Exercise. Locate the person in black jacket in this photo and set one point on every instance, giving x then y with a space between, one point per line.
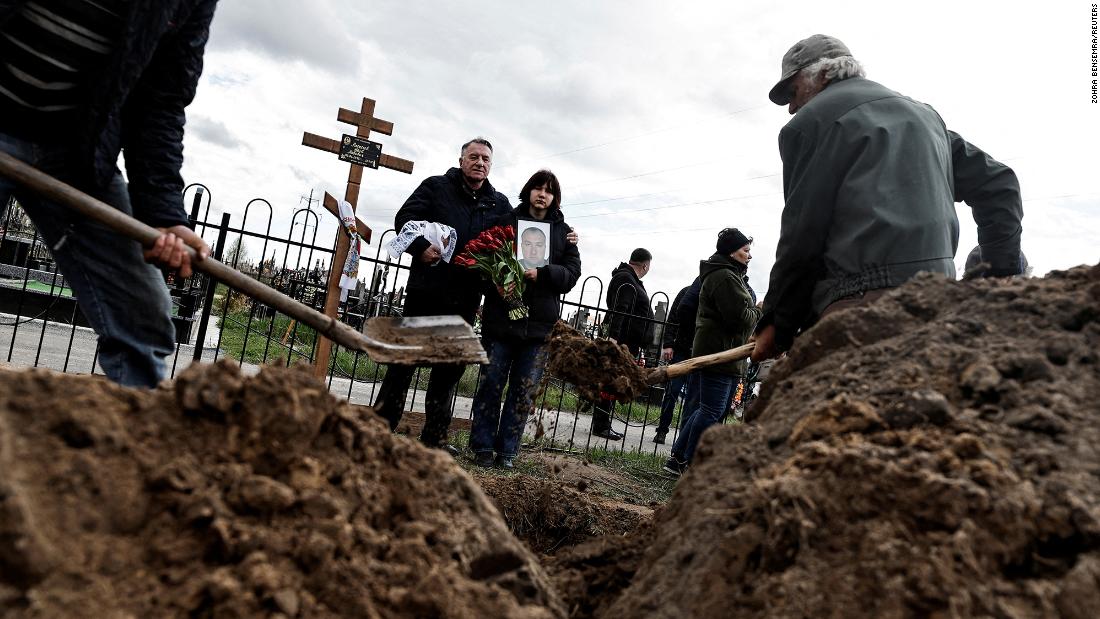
677 339
463 199
81 82
630 323
515 347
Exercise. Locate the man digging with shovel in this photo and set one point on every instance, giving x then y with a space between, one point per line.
80 82
870 179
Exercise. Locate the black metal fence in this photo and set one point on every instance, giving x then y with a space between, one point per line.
41 324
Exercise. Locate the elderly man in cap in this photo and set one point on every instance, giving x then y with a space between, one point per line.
870 179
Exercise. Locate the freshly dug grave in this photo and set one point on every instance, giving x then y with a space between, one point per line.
594 366
936 454
549 515
230 496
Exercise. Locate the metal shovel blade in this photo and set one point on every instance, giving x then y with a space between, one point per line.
424 340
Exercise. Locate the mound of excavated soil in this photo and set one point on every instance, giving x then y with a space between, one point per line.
594 366
936 454
227 496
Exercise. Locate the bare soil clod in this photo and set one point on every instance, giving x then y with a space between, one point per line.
594 366
226 495
935 454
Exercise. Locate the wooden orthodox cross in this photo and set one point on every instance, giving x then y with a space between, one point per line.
360 152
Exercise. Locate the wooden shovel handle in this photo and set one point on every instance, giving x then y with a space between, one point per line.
70 197
661 375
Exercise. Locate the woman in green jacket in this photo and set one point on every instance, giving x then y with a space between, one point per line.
727 316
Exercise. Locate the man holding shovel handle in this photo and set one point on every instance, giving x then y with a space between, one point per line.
80 83
870 181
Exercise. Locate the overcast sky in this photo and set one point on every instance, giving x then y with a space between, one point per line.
654 115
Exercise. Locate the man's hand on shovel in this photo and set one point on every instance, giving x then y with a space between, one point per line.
168 250
765 344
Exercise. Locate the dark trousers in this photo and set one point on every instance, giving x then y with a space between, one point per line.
390 403
690 392
672 395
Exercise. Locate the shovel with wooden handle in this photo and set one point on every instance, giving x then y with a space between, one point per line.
407 341
667 372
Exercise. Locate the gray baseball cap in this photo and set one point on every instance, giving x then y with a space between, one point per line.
801 55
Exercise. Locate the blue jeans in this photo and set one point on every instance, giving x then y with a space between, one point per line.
123 297
520 364
714 391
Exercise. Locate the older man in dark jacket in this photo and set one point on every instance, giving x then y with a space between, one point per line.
871 179
463 199
80 82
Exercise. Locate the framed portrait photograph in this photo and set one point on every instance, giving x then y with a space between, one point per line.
532 243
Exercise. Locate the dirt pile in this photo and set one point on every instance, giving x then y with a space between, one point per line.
232 496
594 366
936 454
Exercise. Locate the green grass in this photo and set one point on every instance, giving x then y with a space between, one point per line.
263 344
644 468
38 286
643 482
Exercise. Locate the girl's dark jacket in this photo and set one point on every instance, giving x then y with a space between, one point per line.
543 296
137 105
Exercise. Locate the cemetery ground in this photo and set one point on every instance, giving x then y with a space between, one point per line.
934 454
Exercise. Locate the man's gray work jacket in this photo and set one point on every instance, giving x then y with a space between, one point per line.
870 180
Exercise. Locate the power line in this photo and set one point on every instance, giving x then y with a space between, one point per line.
641 195
654 172
682 204
637 136
666 230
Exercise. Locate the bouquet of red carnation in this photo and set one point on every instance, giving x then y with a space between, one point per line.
493 253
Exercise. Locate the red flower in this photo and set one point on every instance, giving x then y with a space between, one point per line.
475 246
509 233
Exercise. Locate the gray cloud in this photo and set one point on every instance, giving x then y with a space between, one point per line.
624 89
286 31
214 132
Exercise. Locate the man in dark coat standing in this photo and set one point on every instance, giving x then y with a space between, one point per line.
463 199
80 83
678 337
630 321
870 179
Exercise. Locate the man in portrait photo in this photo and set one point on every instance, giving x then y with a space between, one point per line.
532 248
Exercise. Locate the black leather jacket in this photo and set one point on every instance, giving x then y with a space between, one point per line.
446 199
138 105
